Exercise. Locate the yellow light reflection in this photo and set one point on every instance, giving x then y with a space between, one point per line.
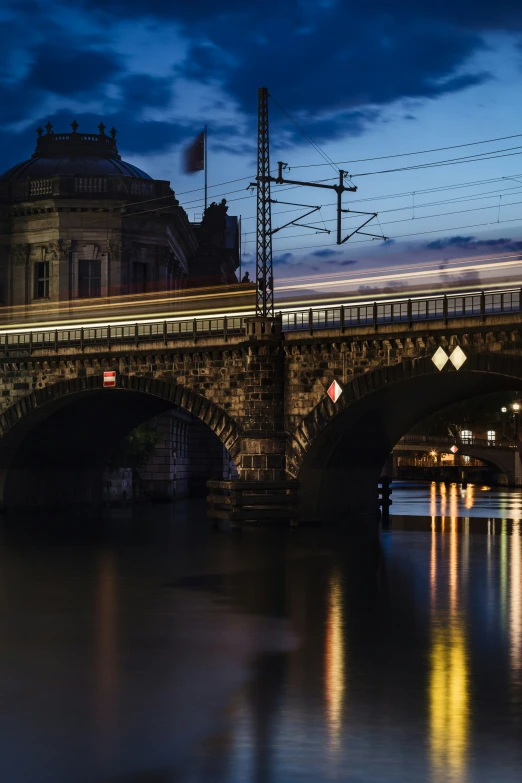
503 572
443 494
453 501
334 661
514 602
433 562
433 499
470 496
449 679
453 564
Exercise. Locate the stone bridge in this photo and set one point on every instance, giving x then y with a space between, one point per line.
502 457
259 387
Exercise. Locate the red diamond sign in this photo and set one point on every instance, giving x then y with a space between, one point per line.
454 449
334 391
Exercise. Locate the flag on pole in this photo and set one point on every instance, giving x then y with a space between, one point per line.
194 154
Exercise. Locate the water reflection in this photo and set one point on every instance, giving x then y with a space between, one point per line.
334 660
450 499
176 660
107 617
515 603
449 678
503 572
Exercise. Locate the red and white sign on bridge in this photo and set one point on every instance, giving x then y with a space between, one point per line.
109 378
334 391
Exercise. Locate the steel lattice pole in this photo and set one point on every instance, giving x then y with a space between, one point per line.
264 277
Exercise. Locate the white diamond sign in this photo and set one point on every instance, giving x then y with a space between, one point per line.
458 357
334 391
439 358
454 449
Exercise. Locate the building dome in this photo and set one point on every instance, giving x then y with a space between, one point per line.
73 155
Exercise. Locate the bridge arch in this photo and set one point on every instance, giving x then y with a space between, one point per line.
72 424
338 450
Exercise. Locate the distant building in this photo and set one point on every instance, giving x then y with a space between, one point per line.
76 221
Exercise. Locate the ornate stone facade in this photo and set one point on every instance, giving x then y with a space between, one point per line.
77 222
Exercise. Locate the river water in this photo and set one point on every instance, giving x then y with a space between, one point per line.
151 649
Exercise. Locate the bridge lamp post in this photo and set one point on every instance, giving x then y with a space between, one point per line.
516 408
503 410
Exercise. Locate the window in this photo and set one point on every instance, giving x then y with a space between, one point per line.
89 274
466 436
41 280
491 436
139 277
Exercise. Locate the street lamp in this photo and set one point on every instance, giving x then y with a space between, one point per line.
516 408
504 411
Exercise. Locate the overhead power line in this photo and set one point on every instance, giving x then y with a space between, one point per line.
407 154
400 236
478 158
318 149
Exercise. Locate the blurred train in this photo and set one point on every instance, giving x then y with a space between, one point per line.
203 308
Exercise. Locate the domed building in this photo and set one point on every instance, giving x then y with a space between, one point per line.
78 222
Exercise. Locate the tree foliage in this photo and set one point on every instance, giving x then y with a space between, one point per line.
137 448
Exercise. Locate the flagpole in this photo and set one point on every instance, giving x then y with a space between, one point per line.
205 164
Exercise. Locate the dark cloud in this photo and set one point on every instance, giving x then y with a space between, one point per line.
333 65
71 71
326 253
472 243
303 16
143 90
413 59
281 260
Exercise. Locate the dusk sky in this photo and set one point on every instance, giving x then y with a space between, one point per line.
365 83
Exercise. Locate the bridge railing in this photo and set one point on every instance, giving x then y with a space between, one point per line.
339 317
406 311
440 440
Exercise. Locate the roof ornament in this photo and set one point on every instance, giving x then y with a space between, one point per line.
39 132
74 126
48 127
113 132
101 128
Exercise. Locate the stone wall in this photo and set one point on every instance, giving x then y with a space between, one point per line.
186 457
258 394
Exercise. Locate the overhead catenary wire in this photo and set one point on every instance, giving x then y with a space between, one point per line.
441 188
399 236
478 158
314 144
407 154
407 220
